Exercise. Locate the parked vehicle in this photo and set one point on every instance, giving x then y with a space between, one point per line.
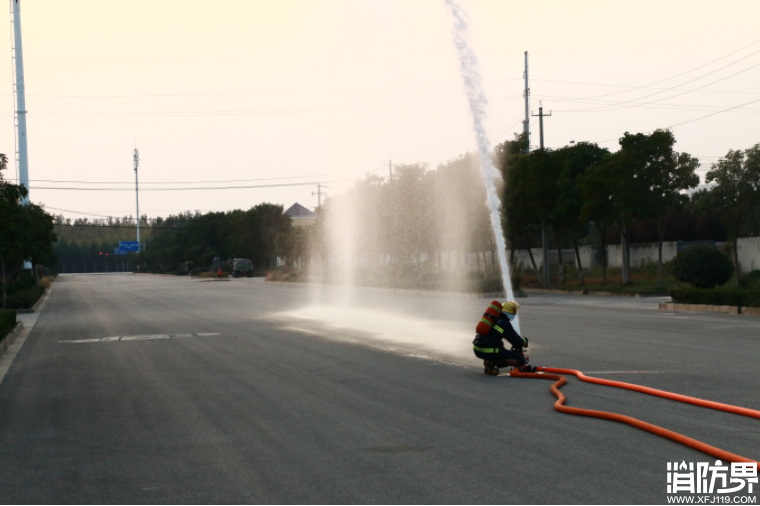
242 267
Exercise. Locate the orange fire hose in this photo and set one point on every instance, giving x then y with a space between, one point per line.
654 429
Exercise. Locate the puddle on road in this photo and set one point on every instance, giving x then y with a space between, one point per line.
438 340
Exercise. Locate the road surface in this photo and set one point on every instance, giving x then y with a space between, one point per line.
246 392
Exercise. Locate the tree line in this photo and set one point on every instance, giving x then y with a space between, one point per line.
26 232
423 222
184 239
646 180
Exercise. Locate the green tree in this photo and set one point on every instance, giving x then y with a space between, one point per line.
568 210
27 231
667 175
596 185
644 179
736 192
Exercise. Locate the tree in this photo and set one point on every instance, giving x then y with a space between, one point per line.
516 223
532 191
737 191
27 231
597 186
644 179
665 175
568 211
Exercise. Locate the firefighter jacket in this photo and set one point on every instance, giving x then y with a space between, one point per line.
502 329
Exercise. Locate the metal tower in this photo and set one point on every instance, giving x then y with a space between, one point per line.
19 90
137 197
526 123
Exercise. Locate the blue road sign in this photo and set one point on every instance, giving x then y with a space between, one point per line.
129 246
117 251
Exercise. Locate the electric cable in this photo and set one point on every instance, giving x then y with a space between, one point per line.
199 182
241 187
689 71
559 405
595 109
631 88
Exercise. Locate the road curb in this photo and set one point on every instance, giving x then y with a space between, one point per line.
590 293
39 302
5 343
704 308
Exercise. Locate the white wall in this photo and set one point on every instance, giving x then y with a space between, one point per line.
749 254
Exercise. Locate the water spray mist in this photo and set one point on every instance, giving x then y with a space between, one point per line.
468 65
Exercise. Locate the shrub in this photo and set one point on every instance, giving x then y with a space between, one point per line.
750 281
24 299
7 322
702 267
717 297
516 282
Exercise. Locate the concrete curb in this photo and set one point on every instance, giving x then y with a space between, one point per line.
590 293
5 343
672 306
37 304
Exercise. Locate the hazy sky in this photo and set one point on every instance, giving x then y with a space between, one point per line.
329 89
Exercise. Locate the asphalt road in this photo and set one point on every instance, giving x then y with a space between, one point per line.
315 395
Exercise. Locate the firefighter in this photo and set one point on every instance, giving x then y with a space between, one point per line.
490 347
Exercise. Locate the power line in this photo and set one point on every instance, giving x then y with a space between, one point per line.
675 107
688 71
696 119
199 182
593 109
631 88
131 227
78 212
713 114
189 188
178 95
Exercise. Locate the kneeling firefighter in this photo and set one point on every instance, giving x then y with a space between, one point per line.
489 345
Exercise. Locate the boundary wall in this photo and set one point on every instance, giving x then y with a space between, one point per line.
749 254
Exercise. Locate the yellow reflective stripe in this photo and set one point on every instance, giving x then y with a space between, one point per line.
498 329
486 350
497 308
486 321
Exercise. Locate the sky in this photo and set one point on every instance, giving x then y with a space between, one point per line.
300 92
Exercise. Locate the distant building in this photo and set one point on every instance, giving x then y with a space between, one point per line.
300 215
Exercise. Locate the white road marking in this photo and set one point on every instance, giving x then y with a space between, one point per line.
141 338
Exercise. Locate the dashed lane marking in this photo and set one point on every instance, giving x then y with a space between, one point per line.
141 338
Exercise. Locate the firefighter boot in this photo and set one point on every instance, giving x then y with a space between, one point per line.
490 368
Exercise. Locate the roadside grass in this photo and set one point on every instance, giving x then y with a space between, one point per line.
643 280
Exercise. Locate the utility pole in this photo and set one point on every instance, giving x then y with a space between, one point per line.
319 195
390 169
137 197
526 94
544 241
22 160
541 123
